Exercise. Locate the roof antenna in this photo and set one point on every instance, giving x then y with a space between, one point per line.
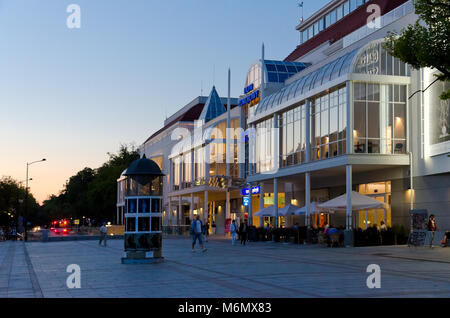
201 88
214 74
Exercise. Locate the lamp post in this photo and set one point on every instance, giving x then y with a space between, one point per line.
26 196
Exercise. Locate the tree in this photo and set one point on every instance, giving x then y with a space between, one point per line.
427 42
102 193
12 201
92 192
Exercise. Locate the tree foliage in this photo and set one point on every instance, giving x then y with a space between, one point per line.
425 43
12 201
92 192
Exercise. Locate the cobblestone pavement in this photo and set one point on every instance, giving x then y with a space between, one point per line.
255 270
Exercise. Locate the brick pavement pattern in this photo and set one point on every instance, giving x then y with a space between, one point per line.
257 270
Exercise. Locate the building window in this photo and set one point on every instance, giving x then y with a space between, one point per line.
328 124
339 13
292 136
379 118
346 8
263 150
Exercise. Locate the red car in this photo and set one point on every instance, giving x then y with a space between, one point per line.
61 227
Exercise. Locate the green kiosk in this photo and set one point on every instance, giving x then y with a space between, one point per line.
143 212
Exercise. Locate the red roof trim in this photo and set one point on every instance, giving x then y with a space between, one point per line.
343 27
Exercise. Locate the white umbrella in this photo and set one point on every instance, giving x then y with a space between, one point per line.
359 202
268 211
289 209
314 209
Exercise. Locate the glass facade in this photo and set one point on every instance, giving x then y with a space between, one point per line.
263 146
292 124
379 118
329 124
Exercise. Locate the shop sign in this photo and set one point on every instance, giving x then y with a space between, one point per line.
246 201
255 190
250 98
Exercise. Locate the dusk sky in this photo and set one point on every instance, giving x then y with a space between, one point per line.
72 95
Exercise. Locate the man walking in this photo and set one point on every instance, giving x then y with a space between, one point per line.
103 231
243 229
197 231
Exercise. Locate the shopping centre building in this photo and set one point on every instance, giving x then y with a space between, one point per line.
338 114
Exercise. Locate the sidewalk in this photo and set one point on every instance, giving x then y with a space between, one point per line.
257 270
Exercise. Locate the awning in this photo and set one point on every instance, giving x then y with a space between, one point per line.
314 209
359 202
289 209
268 211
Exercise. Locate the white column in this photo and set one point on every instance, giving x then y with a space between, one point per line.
205 209
275 194
227 205
275 143
349 141
191 212
307 198
192 167
180 207
251 150
349 196
169 213
366 217
261 204
250 205
207 160
308 130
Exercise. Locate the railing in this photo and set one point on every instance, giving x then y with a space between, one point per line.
386 19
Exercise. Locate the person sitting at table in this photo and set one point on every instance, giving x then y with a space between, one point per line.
444 242
331 233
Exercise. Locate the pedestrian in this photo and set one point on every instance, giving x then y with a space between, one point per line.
1 234
243 230
432 226
383 226
196 230
103 231
206 230
234 232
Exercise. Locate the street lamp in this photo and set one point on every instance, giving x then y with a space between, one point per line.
26 194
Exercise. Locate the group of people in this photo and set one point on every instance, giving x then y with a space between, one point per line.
241 230
8 234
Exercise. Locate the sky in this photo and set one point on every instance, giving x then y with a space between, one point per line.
73 95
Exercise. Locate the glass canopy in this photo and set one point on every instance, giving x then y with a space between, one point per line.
279 71
308 82
371 59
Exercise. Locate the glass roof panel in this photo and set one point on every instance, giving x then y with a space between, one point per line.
302 85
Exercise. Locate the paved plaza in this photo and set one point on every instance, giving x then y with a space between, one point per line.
36 269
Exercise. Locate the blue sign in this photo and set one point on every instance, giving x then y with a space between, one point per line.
248 89
255 190
248 99
246 201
